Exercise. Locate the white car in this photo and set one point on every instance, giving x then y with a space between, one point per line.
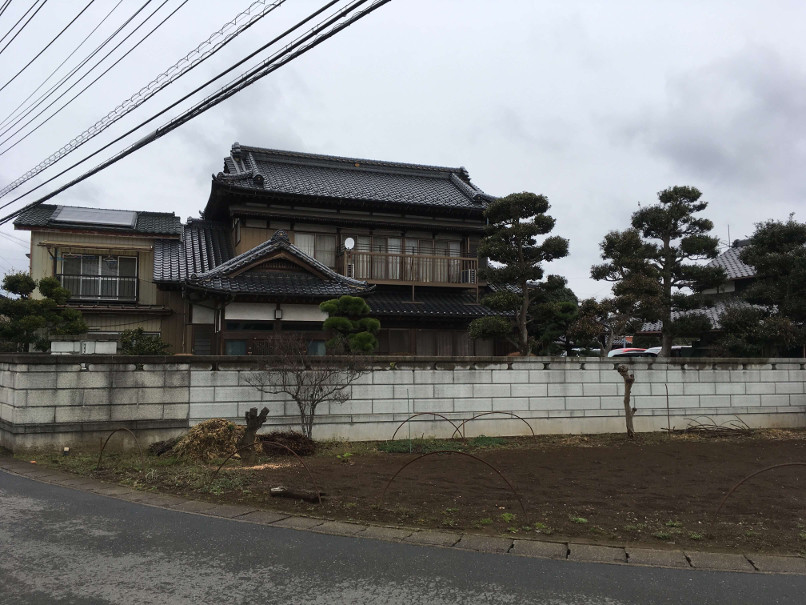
630 352
677 351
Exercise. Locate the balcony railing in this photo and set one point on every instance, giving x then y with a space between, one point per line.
397 268
99 287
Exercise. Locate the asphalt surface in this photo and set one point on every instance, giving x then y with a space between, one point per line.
62 545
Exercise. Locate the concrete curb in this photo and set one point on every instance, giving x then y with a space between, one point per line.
631 555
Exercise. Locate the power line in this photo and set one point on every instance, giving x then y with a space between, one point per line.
86 74
14 240
14 77
72 72
152 88
58 67
13 27
24 25
19 239
178 102
4 7
106 71
316 35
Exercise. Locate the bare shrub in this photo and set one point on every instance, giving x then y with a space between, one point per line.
308 380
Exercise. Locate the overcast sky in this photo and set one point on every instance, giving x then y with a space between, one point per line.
598 105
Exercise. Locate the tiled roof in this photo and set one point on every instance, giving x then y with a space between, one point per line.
224 277
169 262
442 304
712 313
207 246
148 223
338 178
277 284
734 268
204 246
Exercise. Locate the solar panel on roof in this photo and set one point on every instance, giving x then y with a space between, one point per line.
95 216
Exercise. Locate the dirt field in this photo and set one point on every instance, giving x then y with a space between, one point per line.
657 489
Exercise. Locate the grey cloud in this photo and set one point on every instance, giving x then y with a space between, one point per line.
740 120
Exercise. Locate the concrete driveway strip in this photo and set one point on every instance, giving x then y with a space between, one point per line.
78 547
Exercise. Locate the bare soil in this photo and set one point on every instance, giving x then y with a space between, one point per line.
657 488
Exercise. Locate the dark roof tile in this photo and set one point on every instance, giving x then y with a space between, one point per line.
734 268
148 223
340 178
444 304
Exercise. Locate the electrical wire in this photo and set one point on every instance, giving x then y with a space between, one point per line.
178 102
143 39
106 71
13 27
47 46
4 7
24 25
73 71
159 83
14 240
58 67
19 239
316 35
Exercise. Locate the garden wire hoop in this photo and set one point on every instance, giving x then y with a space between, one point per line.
512 414
136 441
435 414
751 475
476 458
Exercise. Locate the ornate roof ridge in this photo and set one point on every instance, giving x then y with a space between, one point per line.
238 149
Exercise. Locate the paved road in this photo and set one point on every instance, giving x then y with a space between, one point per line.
64 545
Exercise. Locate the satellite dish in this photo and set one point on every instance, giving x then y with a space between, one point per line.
349 243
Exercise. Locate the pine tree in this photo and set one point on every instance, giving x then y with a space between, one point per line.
511 243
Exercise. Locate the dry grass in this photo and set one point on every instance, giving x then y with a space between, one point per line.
209 440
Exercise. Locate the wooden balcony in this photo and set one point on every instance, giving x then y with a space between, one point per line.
409 269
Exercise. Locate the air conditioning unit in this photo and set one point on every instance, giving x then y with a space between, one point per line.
469 276
350 270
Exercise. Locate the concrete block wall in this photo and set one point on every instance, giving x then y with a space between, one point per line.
549 395
46 399
63 400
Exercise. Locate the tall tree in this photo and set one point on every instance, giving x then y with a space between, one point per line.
654 263
777 324
26 321
514 224
777 252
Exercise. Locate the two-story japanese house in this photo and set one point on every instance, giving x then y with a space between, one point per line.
283 231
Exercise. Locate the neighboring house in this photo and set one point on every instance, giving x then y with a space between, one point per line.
738 277
105 258
284 231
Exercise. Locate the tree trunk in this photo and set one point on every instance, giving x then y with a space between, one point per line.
629 411
666 342
666 327
523 333
253 422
